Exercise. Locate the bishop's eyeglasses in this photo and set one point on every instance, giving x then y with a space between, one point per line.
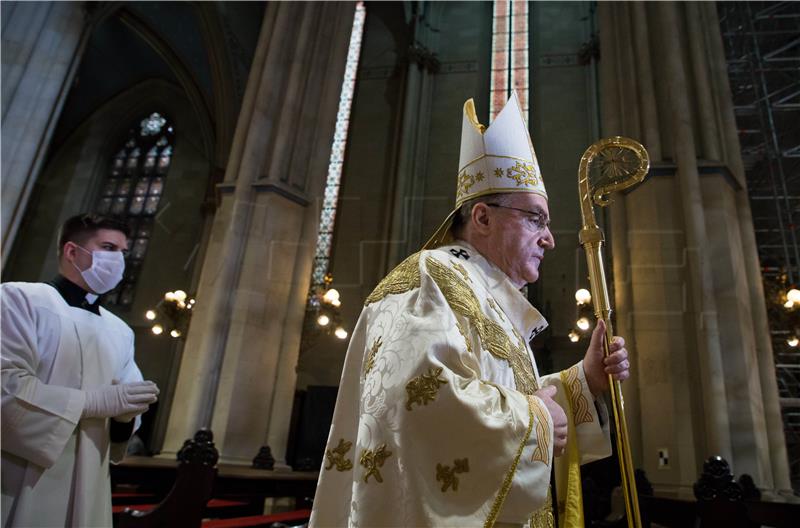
539 220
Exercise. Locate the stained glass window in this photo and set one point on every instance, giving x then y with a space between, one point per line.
133 189
327 217
509 55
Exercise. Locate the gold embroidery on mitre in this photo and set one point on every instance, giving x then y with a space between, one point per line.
459 268
580 405
543 517
423 389
373 461
447 475
493 306
466 181
522 173
371 357
403 278
498 172
501 495
542 451
463 301
335 456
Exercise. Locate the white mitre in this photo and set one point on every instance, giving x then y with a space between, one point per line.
498 159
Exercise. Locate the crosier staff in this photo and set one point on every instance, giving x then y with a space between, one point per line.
609 165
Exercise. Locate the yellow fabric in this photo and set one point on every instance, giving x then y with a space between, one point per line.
469 112
572 516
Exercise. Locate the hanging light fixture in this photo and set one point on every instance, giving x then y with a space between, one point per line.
793 295
324 305
172 314
583 296
583 324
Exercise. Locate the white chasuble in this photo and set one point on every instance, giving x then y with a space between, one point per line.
435 422
55 464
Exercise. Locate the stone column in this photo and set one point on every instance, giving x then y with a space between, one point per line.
731 155
237 373
405 230
42 43
693 287
703 304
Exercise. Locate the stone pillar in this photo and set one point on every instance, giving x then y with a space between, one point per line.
703 308
686 239
405 229
731 155
42 43
238 367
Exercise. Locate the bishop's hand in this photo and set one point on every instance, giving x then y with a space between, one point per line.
559 418
597 367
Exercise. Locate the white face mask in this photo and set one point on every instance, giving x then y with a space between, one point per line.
106 270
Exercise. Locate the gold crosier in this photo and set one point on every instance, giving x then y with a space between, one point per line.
610 165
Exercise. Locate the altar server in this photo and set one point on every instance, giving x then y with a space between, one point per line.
71 390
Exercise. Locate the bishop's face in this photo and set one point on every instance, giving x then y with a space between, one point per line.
519 236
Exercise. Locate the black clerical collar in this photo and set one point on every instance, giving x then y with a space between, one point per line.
75 295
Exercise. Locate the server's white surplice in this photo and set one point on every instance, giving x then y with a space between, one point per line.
55 464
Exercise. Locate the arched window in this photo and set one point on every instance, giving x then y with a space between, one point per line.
132 190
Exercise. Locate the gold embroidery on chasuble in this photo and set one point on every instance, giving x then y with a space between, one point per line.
371 357
459 268
580 405
403 278
462 300
373 461
501 495
423 389
543 517
447 475
464 335
493 306
542 451
498 172
336 456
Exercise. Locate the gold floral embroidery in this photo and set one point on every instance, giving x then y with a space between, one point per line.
466 181
371 357
373 461
542 451
498 172
580 405
494 338
335 456
447 475
522 173
403 278
493 306
459 268
464 335
501 495
422 389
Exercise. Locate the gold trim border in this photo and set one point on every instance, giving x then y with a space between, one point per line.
506 486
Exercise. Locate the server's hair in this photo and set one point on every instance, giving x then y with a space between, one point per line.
82 227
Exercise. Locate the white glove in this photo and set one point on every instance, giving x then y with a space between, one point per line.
116 400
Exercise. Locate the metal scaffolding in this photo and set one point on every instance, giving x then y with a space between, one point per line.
762 45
